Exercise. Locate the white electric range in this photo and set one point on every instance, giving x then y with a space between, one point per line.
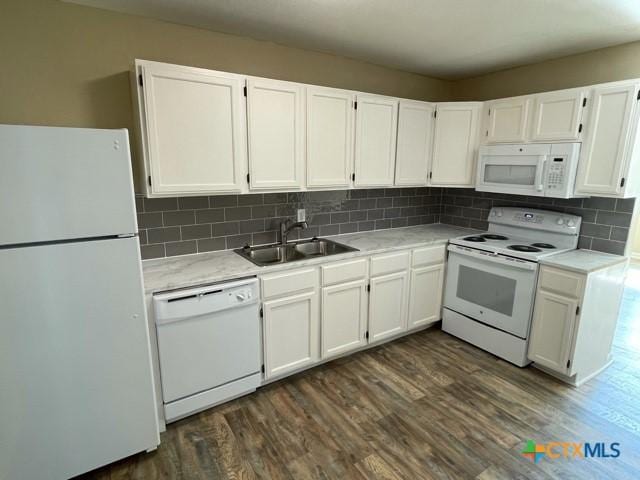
492 277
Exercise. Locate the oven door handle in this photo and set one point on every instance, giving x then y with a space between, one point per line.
494 258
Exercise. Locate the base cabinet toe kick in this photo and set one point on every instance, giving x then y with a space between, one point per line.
222 341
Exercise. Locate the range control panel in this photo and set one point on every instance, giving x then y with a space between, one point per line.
535 219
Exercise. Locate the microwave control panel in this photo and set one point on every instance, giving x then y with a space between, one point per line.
556 173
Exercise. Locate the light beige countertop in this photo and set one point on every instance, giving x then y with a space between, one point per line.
583 261
203 268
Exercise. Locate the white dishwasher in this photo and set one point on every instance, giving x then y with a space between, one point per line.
209 345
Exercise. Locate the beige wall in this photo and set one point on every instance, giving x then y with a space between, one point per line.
67 65
599 66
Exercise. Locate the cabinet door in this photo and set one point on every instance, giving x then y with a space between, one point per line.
194 126
276 133
388 306
329 137
557 116
344 317
507 120
607 143
425 297
290 333
552 330
375 142
455 141
415 133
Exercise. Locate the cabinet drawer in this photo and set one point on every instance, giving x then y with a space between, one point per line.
428 256
389 263
344 271
284 283
565 283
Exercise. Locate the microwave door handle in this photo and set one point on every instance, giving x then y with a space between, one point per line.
539 181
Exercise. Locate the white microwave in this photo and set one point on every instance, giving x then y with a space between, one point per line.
542 170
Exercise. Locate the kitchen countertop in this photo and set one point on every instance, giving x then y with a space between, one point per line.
203 268
583 261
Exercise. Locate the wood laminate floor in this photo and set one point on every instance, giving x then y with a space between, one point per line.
426 406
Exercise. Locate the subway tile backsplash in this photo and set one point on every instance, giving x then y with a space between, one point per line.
180 226
605 221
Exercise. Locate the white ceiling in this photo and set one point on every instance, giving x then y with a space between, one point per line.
441 38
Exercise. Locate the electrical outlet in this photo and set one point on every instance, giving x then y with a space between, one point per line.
302 215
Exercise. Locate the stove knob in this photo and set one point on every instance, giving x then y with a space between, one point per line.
560 221
571 223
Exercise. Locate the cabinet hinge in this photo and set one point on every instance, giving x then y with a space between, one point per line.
430 175
486 134
261 312
248 178
622 182
638 97
149 180
578 310
140 79
353 177
435 113
368 287
579 128
245 90
568 363
584 102
489 112
262 368
366 334
355 105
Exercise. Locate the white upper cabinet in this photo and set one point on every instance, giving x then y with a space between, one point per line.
415 135
507 120
611 143
275 119
375 140
557 115
192 129
455 142
330 115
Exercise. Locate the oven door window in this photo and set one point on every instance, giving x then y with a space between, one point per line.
495 292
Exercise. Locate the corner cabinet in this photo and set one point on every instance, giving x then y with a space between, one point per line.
455 142
330 117
415 135
609 160
375 140
574 320
192 130
275 121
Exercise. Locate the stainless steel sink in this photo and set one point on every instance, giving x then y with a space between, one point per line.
291 252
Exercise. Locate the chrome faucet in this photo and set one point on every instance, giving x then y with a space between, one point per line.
287 226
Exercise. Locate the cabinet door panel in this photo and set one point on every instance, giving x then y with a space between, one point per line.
455 144
507 120
425 298
388 306
329 137
344 317
557 116
195 130
375 141
605 149
415 133
552 330
276 134
290 333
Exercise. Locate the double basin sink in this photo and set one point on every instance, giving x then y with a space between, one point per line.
293 251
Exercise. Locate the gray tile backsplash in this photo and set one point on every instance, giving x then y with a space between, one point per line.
179 226
605 221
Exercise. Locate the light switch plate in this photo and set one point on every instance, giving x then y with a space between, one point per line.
302 215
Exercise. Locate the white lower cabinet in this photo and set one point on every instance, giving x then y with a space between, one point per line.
291 322
344 317
388 305
425 297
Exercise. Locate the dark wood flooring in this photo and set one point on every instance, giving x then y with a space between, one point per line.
427 406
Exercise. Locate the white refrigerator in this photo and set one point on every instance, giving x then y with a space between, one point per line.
76 386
